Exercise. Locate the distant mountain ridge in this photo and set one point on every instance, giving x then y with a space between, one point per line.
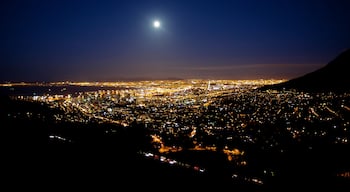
334 76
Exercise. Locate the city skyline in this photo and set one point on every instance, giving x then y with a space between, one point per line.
248 95
119 40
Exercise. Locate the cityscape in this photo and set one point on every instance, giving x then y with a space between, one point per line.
248 96
186 121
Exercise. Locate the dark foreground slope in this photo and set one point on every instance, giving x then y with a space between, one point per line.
39 151
100 155
332 77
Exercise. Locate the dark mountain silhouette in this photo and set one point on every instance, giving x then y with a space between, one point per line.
332 77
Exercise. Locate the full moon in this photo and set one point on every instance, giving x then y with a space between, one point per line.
156 24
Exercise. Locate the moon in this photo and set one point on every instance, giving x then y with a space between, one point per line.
156 24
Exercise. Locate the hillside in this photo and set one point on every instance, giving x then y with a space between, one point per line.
332 77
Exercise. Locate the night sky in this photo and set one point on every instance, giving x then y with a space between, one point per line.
72 40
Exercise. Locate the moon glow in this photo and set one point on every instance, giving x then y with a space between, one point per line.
156 24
